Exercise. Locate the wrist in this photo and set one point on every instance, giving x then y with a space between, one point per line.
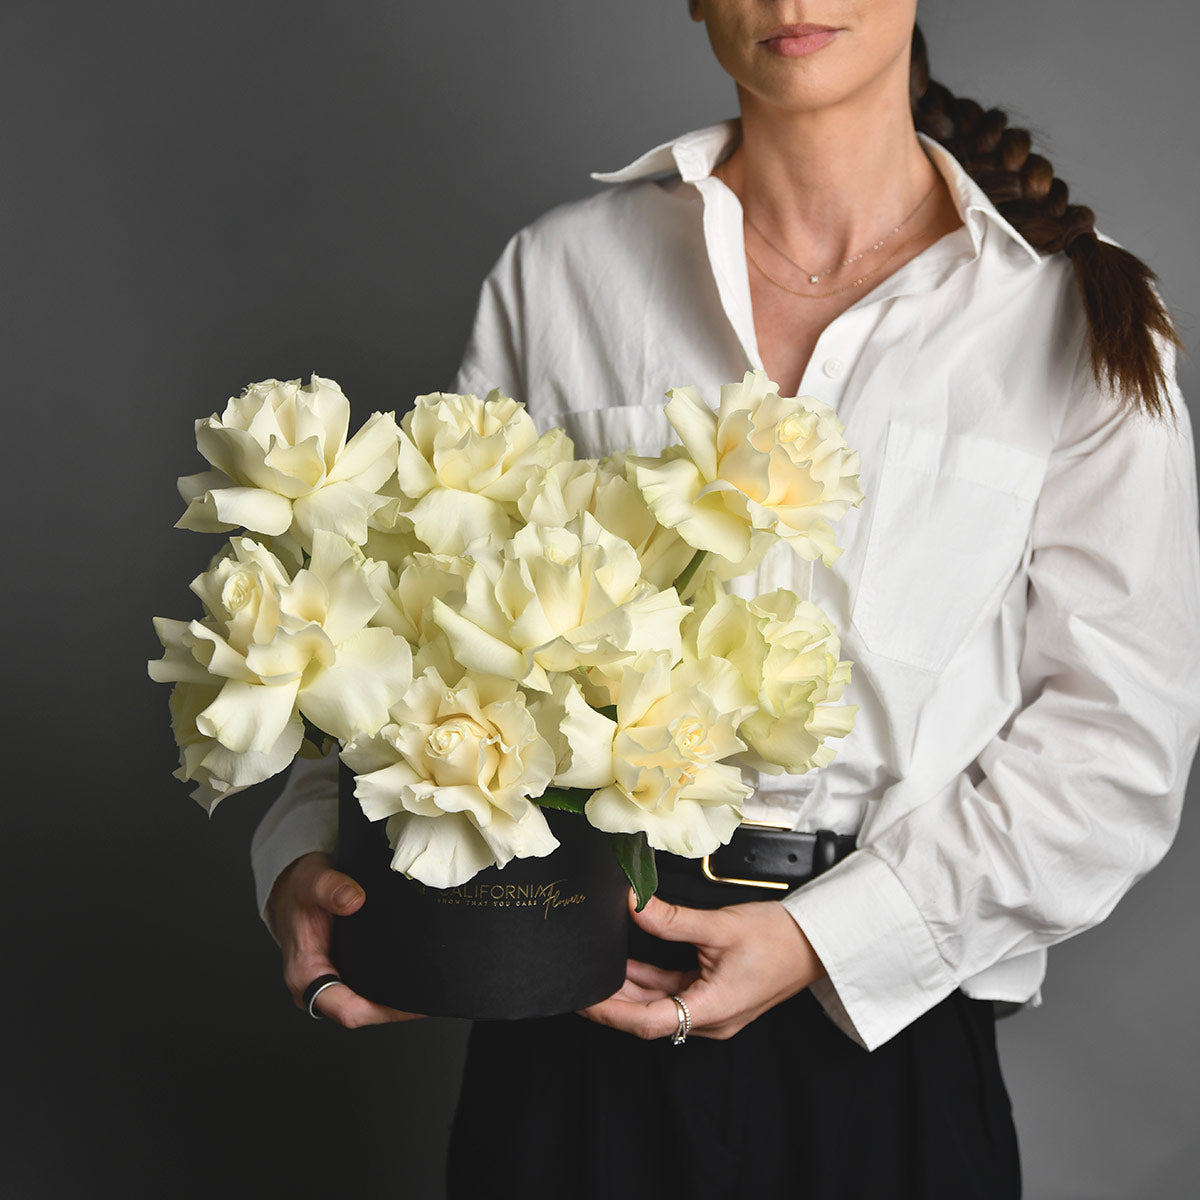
813 969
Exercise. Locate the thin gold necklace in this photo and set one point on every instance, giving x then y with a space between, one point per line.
815 277
836 291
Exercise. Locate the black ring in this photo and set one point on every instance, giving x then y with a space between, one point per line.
310 993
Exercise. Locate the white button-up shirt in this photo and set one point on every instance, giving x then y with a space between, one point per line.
1019 592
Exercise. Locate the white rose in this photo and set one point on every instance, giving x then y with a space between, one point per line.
465 462
787 653
553 599
607 489
762 463
674 728
561 491
407 609
283 465
452 772
273 648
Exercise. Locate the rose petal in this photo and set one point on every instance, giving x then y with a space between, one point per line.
475 649
671 491
371 671
448 521
369 457
696 425
380 792
249 716
228 508
302 462
589 737
528 837
234 772
341 508
440 852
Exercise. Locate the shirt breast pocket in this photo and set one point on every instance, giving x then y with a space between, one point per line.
637 428
950 523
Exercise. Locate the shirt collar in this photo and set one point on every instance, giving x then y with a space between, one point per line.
694 156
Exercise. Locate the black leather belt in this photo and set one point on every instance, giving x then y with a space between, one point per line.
760 862
774 857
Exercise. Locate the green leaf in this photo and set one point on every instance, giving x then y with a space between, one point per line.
636 856
608 710
566 799
685 576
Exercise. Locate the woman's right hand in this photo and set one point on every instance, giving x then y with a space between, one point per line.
306 897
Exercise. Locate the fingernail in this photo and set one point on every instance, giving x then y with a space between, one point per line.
345 895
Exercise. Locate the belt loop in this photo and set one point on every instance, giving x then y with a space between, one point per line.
825 852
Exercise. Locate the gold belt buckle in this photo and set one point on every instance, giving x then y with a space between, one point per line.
769 884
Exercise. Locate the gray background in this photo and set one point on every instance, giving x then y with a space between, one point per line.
198 195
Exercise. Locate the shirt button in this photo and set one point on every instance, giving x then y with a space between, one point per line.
833 368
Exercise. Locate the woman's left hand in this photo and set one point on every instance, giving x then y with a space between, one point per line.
752 957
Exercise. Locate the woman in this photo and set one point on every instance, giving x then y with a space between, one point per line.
1020 594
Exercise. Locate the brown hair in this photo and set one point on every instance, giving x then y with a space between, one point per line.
1124 312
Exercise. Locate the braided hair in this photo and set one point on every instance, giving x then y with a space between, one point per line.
1124 313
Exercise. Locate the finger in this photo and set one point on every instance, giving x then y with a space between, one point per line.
645 982
347 1008
659 1016
677 923
337 893
637 993
648 1020
640 995
290 890
658 978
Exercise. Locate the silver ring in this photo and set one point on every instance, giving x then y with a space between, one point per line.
685 1023
314 989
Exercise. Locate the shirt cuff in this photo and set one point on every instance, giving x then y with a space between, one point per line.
883 964
303 819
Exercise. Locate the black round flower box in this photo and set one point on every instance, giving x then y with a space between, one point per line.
537 937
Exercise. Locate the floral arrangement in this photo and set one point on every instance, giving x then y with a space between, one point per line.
487 626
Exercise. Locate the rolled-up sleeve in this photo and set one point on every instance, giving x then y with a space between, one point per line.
1081 794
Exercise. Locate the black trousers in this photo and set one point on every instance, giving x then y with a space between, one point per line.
560 1108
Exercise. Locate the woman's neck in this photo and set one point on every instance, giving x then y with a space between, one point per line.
825 185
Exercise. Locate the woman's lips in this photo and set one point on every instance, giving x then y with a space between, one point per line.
794 41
